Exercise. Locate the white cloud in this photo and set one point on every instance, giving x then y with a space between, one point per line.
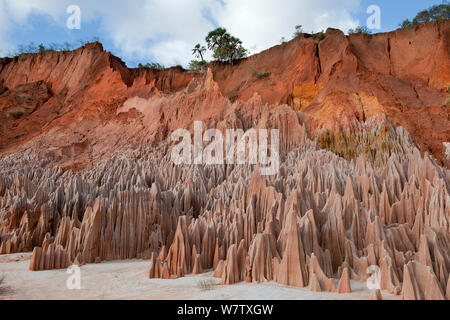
262 24
5 30
167 30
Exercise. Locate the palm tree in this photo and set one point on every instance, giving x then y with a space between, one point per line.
199 50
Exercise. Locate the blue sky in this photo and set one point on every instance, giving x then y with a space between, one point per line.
165 30
395 11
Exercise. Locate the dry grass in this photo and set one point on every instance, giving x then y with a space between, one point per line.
208 284
377 145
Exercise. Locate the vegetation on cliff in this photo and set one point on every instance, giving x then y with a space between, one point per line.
52 47
359 30
435 13
225 47
151 65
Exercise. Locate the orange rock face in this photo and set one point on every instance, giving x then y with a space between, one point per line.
344 283
86 173
376 295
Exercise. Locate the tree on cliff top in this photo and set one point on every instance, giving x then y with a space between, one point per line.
225 47
435 13
199 50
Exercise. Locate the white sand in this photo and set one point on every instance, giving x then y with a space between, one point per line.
128 280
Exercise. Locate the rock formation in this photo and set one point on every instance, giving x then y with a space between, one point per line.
376 295
344 285
86 173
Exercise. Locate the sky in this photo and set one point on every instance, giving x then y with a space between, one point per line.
165 31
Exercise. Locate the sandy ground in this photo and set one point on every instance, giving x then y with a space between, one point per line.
128 280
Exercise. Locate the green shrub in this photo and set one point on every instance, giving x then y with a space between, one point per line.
259 75
15 113
197 65
359 30
319 36
406 24
447 101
